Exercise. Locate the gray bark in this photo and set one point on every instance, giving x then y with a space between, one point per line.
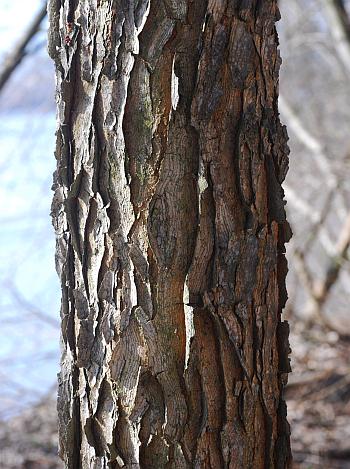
170 226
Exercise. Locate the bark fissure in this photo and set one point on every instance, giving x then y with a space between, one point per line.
170 226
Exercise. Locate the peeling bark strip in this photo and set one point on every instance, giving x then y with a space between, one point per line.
170 226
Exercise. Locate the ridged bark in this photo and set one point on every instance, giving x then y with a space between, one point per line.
170 226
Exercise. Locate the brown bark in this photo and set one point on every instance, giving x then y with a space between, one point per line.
170 225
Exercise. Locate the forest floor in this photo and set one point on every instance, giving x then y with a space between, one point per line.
318 396
29 440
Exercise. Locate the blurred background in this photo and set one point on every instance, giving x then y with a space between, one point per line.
315 106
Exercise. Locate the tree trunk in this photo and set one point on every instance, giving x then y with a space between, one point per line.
170 226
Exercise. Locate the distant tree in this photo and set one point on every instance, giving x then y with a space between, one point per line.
170 225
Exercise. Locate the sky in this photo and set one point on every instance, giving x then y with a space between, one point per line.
29 288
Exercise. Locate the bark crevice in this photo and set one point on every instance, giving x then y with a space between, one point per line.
170 226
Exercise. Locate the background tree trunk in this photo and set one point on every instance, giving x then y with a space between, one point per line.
170 225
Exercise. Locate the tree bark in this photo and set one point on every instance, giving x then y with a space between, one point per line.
170 224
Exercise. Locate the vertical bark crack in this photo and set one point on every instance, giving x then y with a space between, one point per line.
170 226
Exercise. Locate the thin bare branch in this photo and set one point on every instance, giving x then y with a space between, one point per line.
319 291
339 23
310 141
316 218
33 310
15 58
322 289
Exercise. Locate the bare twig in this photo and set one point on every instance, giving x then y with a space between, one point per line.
316 218
322 289
339 23
319 291
308 378
308 140
33 310
327 391
20 50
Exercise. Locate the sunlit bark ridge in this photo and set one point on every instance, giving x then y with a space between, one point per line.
170 226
